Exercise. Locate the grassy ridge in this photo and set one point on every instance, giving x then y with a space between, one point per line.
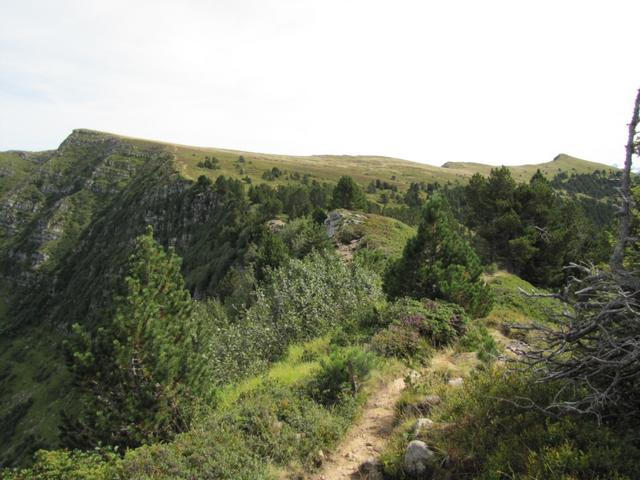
330 167
521 173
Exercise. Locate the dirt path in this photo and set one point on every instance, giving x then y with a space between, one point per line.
365 439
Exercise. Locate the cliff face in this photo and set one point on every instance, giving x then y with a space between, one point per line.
67 226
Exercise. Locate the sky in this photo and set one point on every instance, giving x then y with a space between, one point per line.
498 82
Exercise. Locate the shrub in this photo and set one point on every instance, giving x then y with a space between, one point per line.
342 374
307 298
301 300
401 342
440 263
440 322
489 432
303 235
477 338
99 464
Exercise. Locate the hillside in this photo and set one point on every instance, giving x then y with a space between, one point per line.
522 173
330 167
69 220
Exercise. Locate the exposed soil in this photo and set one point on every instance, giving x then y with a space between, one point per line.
367 438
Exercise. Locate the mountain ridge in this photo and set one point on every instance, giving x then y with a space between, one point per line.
363 168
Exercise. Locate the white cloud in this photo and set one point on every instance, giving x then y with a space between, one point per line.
494 81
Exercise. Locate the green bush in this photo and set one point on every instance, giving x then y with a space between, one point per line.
301 300
348 194
488 432
478 339
303 235
440 263
69 465
284 424
402 342
342 374
440 322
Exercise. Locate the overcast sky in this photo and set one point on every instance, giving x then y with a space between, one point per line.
500 82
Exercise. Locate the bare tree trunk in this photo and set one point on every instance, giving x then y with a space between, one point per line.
625 192
595 344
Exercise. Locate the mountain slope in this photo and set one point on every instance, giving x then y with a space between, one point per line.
68 218
362 168
561 163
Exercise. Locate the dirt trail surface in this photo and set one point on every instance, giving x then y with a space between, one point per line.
367 438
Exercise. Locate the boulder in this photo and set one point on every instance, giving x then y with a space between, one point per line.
275 225
337 219
371 469
417 459
422 425
429 401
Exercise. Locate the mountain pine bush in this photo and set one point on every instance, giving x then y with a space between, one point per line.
439 263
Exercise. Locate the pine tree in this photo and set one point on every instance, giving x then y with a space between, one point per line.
139 374
439 263
349 195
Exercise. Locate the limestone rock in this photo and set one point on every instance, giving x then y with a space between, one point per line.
417 459
422 425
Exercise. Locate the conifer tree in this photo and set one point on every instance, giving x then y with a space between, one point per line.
349 195
139 374
439 263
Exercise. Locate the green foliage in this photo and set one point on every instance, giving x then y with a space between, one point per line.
270 208
302 299
303 235
348 194
511 306
342 374
478 339
492 435
212 163
403 342
272 174
140 372
99 464
439 263
528 227
414 327
269 424
308 297
275 420
272 253
296 239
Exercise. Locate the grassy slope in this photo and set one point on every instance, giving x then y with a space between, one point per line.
361 168
562 163
13 169
376 232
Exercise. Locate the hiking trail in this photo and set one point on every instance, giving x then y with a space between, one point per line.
366 438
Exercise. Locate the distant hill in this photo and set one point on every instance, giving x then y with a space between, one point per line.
561 163
363 168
